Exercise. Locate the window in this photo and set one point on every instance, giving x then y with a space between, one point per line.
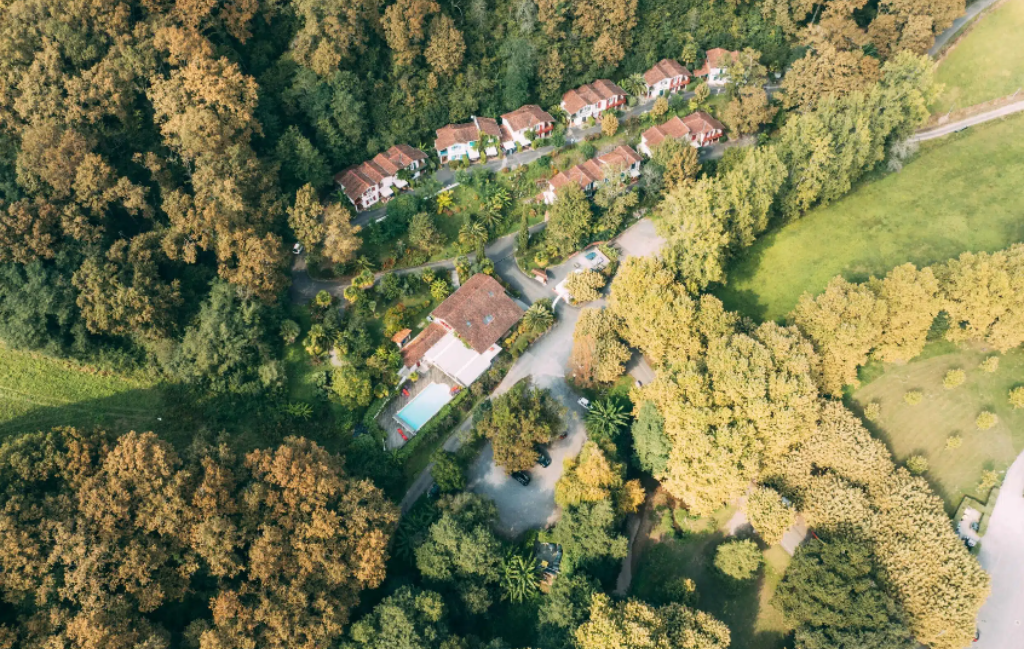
488 319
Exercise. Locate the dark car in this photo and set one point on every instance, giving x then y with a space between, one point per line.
521 477
543 459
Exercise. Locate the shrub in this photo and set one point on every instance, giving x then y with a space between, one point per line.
739 560
986 420
953 442
917 464
913 397
768 514
989 479
872 411
954 379
1017 398
990 364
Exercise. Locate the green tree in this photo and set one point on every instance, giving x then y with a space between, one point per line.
598 355
768 515
570 220
589 538
519 577
697 241
565 608
409 619
606 419
832 593
352 387
651 445
473 235
635 625
538 318
516 422
585 286
739 560
447 472
290 331
423 234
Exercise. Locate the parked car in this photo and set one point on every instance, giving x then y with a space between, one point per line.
543 459
521 477
297 249
585 402
434 492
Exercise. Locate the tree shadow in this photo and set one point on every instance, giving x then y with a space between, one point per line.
743 267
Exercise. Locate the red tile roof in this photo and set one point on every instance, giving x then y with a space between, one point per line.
665 69
589 94
674 128
401 336
701 122
480 312
592 171
418 346
525 117
716 58
488 126
356 180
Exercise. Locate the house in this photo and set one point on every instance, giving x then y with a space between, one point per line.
517 125
715 64
594 172
462 337
376 180
698 129
666 77
591 100
459 141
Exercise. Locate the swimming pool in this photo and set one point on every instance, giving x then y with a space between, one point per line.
590 256
424 406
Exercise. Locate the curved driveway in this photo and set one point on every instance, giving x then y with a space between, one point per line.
1001 619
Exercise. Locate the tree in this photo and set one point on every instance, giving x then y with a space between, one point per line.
447 472
701 93
659 108
305 218
408 619
330 32
565 608
634 625
405 29
290 331
570 219
827 71
844 323
341 241
439 290
609 124
472 235
982 295
446 47
748 111
517 422
651 445
588 537
352 387
696 238
831 593
585 286
301 162
597 353
768 515
746 71
954 378
912 302
1016 398
461 550
423 234
605 419
592 477
538 318
739 560
679 160
519 577
986 420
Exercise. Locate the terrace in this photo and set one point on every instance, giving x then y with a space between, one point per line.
387 418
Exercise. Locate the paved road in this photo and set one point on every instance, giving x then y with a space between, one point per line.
972 11
952 127
1001 619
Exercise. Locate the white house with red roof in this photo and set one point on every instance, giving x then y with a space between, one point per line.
666 77
522 124
461 141
595 172
378 179
699 129
591 100
715 64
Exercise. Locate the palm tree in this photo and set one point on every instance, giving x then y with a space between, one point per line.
538 317
634 84
606 418
519 577
363 263
500 199
444 201
490 217
474 235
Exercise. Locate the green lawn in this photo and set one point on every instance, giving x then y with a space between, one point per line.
988 63
962 192
923 429
38 392
744 607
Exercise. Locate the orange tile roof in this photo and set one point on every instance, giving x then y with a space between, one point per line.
592 171
400 336
714 59
589 94
415 350
527 116
665 69
480 312
701 122
674 128
455 134
488 126
356 180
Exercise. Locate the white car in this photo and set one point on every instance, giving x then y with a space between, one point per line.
297 249
584 402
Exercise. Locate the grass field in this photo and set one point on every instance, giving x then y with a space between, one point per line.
962 192
37 392
987 64
744 607
923 428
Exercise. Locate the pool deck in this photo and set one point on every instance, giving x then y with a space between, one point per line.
386 418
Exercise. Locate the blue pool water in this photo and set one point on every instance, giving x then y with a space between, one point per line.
424 406
591 255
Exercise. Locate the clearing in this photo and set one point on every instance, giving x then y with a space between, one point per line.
668 554
987 64
923 429
38 392
961 193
